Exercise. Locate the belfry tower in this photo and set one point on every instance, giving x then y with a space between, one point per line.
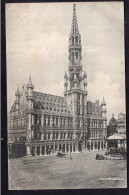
75 82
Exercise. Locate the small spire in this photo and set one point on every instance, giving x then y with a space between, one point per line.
30 82
85 75
103 102
74 9
112 115
74 22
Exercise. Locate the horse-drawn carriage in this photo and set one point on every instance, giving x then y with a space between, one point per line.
101 157
59 154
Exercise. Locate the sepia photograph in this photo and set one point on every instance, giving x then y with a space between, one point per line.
66 104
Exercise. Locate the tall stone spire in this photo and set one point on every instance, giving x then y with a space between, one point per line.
74 29
75 83
75 43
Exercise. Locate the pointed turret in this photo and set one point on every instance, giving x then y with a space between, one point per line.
103 108
30 88
103 102
65 76
65 82
30 99
17 101
74 29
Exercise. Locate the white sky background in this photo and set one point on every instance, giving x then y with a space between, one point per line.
37 37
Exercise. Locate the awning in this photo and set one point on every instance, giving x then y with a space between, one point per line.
117 137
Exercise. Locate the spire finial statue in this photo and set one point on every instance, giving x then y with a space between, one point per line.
30 82
74 22
74 9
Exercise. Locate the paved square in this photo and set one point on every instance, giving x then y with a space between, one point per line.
52 172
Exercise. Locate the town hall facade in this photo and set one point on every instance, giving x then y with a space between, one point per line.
43 124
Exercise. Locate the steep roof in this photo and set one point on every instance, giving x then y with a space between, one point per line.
50 103
94 109
113 121
116 137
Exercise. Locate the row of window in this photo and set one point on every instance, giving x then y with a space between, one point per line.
57 122
17 138
74 40
56 109
95 123
48 136
95 134
17 122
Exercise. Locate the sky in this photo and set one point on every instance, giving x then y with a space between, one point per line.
37 36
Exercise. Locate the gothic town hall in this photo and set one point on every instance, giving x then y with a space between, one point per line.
43 124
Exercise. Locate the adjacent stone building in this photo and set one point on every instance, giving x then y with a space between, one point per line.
117 126
121 124
40 123
112 127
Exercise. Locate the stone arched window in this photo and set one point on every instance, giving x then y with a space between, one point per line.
72 58
72 40
76 40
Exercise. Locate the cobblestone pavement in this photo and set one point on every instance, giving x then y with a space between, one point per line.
82 171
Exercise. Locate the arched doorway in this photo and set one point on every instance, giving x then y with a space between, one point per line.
47 150
33 151
80 146
38 150
63 148
88 146
95 145
43 150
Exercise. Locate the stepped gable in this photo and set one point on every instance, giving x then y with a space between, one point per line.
51 103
